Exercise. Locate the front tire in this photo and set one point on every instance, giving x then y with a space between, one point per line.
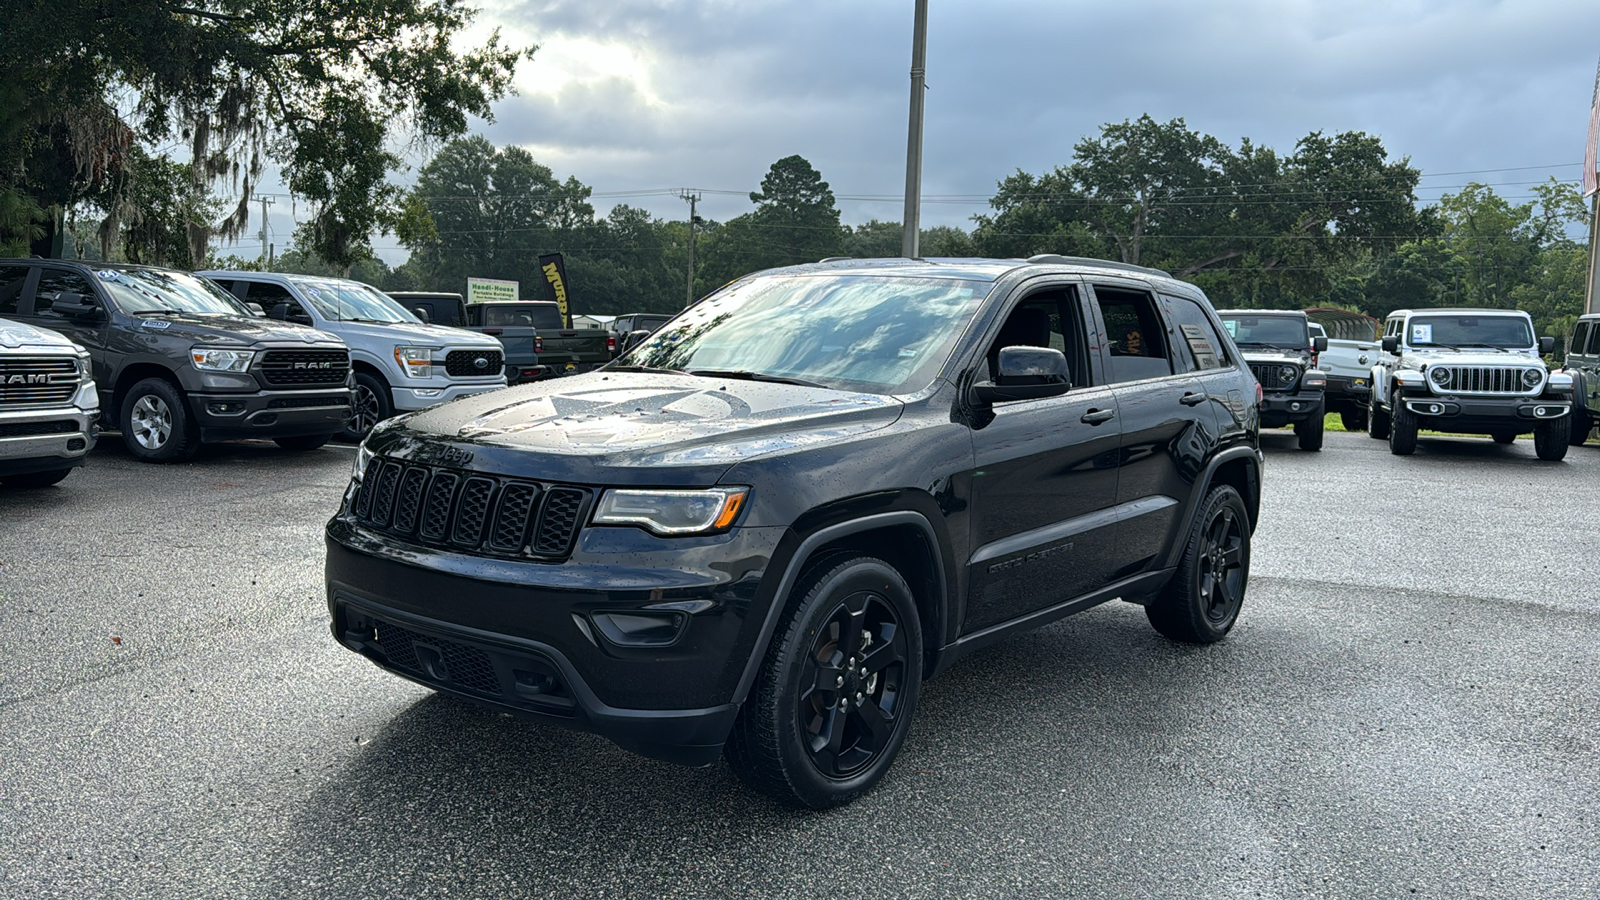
1504 437
1201 602
833 700
1578 431
1353 419
31 480
1402 429
1377 421
1309 432
373 404
155 422
302 443
1550 438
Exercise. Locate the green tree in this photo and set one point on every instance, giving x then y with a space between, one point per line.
321 89
795 221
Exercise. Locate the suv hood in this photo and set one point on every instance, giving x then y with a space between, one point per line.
14 335
1416 359
232 330
628 427
415 334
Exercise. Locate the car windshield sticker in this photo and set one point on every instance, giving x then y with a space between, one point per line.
907 352
1232 326
107 274
1205 356
1422 334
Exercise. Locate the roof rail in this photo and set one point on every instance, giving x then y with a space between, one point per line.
1058 259
835 259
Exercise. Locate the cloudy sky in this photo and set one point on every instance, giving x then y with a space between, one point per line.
641 98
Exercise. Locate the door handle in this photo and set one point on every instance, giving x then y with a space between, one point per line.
1193 399
1096 416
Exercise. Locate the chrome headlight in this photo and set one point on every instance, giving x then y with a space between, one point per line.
363 458
1287 374
1532 377
1440 376
673 513
416 362
85 368
222 360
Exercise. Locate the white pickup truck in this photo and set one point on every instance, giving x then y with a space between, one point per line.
1352 351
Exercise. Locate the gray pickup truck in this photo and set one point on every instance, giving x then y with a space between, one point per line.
48 403
533 331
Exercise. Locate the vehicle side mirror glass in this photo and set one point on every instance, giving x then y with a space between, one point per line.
255 308
1391 344
422 313
1547 344
1025 373
73 305
1320 343
280 311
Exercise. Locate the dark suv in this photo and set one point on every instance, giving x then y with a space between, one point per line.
179 361
759 531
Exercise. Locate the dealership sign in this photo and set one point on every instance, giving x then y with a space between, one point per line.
483 290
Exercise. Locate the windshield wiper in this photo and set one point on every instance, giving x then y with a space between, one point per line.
161 312
746 375
646 369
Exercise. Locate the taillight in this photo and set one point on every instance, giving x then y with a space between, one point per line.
538 344
611 343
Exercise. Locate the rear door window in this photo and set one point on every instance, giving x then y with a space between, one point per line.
12 278
54 281
1135 336
1193 334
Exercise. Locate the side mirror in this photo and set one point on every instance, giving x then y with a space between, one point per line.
1025 373
280 311
1547 344
255 308
1391 344
72 305
1319 344
422 313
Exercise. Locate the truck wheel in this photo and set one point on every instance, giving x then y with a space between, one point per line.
1353 419
373 404
1550 438
1402 430
1201 602
1504 437
302 443
1310 431
833 700
1377 421
155 422
1578 431
29 480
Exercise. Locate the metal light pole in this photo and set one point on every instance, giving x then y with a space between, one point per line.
688 291
919 86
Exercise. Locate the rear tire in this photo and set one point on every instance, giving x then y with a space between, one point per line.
1402 429
1377 421
155 422
1310 431
1504 437
303 442
1550 438
1201 603
1353 420
833 700
31 480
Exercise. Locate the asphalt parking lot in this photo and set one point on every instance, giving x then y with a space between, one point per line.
1410 706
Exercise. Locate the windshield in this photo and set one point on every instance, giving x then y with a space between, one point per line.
876 334
1508 332
348 301
144 292
1285 332
530 316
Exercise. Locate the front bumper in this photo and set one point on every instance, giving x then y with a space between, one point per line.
1347 387
1281 408
1484 415
541 639
43 440
409 399
270 414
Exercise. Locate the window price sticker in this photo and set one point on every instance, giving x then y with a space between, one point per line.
1422 334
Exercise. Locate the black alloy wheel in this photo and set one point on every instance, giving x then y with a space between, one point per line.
1202 601
835 694
373 404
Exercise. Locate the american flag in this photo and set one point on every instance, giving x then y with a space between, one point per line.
1591 183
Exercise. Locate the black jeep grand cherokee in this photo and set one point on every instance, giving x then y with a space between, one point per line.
759 531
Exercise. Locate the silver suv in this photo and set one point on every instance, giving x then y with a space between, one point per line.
48 406
1476 371
401 364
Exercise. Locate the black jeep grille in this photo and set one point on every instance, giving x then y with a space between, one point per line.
477 513
464 363
300 367
34 429
1275 376
32 381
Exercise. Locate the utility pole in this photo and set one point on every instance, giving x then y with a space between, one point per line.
919 85
692 198
266 255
